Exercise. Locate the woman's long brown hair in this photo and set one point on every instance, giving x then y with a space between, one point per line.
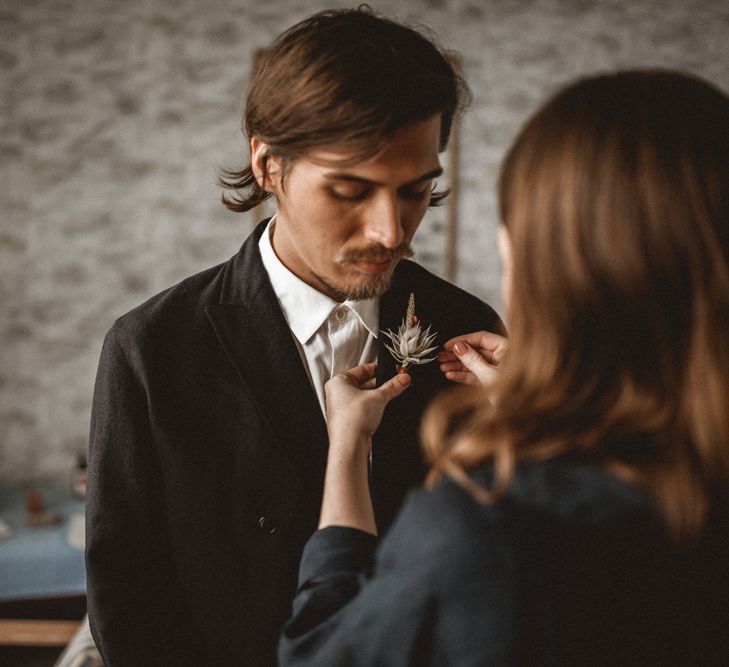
615 196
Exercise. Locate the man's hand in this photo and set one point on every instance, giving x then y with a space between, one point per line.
473 358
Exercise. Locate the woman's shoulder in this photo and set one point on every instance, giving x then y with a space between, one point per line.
445 510
571 489
564 487
560 494
441 529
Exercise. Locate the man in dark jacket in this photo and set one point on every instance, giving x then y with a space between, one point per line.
208 434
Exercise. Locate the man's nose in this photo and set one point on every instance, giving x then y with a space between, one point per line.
384 223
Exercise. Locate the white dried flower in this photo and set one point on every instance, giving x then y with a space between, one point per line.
411 344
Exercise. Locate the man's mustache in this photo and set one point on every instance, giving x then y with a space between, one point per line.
378 254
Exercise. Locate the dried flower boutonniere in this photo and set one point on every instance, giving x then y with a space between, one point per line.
410 344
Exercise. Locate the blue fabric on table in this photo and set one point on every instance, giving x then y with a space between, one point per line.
40 561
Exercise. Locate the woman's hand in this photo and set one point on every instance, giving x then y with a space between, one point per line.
355 406
473 358
354 411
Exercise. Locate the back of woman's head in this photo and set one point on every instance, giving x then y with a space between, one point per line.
615 196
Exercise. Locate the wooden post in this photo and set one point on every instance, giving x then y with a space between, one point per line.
454 178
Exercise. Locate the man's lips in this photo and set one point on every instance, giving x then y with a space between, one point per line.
374 266
375 261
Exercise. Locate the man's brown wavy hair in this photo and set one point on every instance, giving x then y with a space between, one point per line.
615 196
347 78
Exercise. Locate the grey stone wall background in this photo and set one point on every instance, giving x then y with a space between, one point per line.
116 114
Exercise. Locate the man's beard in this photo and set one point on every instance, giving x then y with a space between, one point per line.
377 284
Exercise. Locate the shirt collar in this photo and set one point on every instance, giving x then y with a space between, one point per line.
304 307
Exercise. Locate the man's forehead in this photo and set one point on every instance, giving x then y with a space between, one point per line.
413 150
354 177
417 140
381 172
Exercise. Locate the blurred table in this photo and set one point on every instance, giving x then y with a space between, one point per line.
42 561
42 570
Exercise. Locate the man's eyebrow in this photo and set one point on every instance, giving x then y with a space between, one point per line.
344 176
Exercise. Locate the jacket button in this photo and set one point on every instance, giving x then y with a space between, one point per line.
266 525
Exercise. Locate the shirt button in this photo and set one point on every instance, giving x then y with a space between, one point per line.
266 525
340 314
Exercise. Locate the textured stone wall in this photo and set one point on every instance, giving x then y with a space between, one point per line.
116 114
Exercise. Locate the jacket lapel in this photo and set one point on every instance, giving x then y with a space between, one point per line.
256 338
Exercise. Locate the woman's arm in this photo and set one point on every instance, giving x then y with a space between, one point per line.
354 411
438 589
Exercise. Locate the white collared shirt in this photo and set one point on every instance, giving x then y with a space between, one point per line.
330 336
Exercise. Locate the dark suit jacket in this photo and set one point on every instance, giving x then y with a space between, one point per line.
572 567
207 458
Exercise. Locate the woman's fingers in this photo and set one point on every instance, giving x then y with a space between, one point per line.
452 366
354 405
394 386
363 373
474 362
472 358
462 377
369 384
490 345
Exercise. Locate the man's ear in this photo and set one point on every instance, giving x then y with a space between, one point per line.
266 168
